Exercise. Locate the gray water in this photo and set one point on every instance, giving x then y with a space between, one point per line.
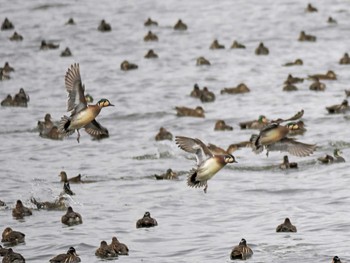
244 200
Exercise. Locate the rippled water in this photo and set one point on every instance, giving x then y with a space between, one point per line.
248 199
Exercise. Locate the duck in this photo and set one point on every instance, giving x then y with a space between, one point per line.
296 128
4 75
7 25
216 45
241 88
163 134
208 164
45 125
236 45
221 125
305 37
184 111
196 92
287 165
317 85
46 46
70 22
261 49
12 237
345 59
258 124
202 61
286 226
104 26
336 259
206 95
310 8
89 98
20 210
58 204
7 68
82 114
297 62
292 80
2 203
71 218
242 251
180 25
146 221
8 101
53 134
330 75
105 251
273 137
64 178
126 65
66 189
21 99
119 248
3 251
150 37
13 257
66 53
289 87
168 175
16 37
339 108
151 54
150 22
329 159
331 20
70 257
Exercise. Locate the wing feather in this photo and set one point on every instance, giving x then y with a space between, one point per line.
75 89
194 146
293 147
96 129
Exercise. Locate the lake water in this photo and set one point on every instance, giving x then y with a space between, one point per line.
244 200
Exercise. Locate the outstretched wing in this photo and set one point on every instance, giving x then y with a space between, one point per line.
293 147
75 89
195 146
96 129
297 116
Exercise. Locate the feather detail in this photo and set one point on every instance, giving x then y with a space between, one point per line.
192 180
63 126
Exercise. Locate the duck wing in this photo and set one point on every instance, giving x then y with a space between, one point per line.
195 146
94 128
293 147
75 89
296 116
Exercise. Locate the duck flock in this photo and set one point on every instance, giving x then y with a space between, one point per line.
255 107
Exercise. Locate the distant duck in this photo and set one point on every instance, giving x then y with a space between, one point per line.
236 44
11 237
206 95
242 251
221 125
202 61
289 87
241 88
310 8
330 75
70 257
20 210
146 221
304 37
105 251
150 22
4 75
163 134
296 128
119 248
21 99
180 25
46 125
2 203
53 134
46 46
58 204
258 124
286 164
286 226
331 20
66 189
13 257
292 80
7 25
151 54
196 92
261 49
184 111
16 37
104 26
71 218
345 59
64 178
329 159
336 259
126 65
66 53
168 175
150 37
339 108
297 62
89 98
7 68
216 45
8 101
70 21
317 86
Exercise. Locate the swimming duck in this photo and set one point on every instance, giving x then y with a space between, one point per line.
216 45
304 37
66 189
331 20
330 75
241 88
220 125
261 49
2 203
151 54
317 85
345 59
150 37
46 46
146 221
3 251
104 26
286 226
150 22
184 111
287 165
8 101
168 175
21 99
53 134
20 210
119 248
126 65
208 164
329 159
105 251
66 53
83 115
242 251
12 237
310 8
297 62
296 128
58 204
45 125
292 80
64 178
206 95
258 124
89 98
273 137
4 75
70 257
289 87
339 108
13 257
202 61
71 218
7 25
163 134
180 25
70 21
196 92
236 44
7 68
16 37
336 259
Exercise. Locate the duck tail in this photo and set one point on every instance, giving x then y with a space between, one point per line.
192 182
256 146
63 126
